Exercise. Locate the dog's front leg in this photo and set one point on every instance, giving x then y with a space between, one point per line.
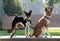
26 32
27 29
44 32
48 32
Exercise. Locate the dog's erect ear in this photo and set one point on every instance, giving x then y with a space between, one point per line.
25 12
30 11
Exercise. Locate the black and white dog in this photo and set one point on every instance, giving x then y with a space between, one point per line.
22 21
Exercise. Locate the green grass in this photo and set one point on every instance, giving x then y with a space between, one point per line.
53 32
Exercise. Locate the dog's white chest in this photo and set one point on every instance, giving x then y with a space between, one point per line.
28 24
48 21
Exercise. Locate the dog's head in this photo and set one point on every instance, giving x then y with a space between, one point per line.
48 11
28 14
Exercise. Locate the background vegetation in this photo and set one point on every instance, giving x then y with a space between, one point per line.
12 7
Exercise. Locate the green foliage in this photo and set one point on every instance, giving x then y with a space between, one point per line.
12 7
32 1
57 1
49 3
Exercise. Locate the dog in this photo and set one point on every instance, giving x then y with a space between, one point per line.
43 24
21 21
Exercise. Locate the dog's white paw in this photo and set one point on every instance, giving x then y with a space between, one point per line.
27 36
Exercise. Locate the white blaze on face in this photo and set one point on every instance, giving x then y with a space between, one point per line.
29 18
48 9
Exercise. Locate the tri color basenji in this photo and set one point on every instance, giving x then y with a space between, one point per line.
22 21
43 24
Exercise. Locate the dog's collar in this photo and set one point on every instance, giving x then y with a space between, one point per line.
47 17
29 21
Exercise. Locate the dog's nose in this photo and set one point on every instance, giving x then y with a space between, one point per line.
49 14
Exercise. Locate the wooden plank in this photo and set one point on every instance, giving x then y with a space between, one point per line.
25 39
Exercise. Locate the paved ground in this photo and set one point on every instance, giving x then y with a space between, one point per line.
18 36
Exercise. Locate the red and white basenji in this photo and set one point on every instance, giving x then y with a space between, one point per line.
22 21
43 24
